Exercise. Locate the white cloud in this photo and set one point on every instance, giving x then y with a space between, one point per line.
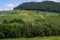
0 9
10 5
16 5
4 9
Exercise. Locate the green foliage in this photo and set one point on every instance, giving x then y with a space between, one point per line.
25 23
15 20
49 6
35 38
16 30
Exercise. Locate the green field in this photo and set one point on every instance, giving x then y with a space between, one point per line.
36 23
29 16
35 38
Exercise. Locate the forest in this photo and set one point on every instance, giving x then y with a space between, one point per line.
48 6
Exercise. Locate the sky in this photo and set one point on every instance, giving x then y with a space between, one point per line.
10 4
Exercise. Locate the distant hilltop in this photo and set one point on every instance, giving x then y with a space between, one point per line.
49 6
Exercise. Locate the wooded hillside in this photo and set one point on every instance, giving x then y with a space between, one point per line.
49 6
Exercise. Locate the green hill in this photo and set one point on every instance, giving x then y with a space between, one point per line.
29 15
49 6
29 23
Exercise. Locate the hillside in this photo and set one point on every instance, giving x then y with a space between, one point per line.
49 6
29 23
29 15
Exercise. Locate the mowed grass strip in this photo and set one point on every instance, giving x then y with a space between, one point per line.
35 38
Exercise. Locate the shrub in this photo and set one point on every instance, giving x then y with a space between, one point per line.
38 28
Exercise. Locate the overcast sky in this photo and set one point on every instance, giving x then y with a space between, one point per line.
10 4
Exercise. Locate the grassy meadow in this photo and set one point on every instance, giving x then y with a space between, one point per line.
40 22
29 16
35 38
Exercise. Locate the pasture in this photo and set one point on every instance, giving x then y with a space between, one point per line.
35 38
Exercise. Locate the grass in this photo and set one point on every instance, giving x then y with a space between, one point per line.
35 38
31 16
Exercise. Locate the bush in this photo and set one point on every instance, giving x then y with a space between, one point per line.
37 28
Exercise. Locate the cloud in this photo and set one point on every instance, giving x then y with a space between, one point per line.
4 9
10 5
0 9
16 5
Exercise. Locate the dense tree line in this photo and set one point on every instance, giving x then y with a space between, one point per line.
49 6
27 29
